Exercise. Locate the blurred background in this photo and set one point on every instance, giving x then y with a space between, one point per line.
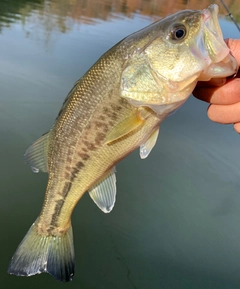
176 220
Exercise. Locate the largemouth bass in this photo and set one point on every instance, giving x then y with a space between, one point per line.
113 109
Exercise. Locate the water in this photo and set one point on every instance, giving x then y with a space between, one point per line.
176 220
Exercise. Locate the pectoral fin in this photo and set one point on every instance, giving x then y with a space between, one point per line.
127 126
36 155
146 148
104 193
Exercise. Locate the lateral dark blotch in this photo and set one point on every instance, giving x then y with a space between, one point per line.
106 110
74 173
50 229
67 176
80 165
76 170
99 124
66 189
99 138
89 145
69 159
113 116
84 156
102 117
123 101
58 207
116 107
105 129
85 150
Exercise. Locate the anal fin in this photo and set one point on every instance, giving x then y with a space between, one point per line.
104 193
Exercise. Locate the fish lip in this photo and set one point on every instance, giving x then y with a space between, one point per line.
211 11
211 29
210 19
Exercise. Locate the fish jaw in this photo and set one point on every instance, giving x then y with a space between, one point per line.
211 45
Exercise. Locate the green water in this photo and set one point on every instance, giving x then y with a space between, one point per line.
176 220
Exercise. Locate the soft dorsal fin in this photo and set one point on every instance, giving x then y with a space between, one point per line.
104 193
146 148
36 155
127 125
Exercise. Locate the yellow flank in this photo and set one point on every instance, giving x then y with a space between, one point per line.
94 157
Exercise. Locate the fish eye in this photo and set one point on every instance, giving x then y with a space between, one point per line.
178 32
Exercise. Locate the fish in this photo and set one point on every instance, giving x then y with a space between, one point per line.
115 108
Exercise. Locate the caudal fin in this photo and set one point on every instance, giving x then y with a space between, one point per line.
37 254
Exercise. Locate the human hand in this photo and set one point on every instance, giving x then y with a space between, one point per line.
223 94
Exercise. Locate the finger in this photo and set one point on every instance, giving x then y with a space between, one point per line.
225 114
237 127
226 94
212 82
234 44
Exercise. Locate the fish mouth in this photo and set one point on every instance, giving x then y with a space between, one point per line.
217 55
210 18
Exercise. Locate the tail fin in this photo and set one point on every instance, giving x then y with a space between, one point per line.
37 254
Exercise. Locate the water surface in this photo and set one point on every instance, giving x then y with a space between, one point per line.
176 220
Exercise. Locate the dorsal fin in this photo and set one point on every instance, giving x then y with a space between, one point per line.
36 155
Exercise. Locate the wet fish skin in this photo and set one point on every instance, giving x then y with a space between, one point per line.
114 108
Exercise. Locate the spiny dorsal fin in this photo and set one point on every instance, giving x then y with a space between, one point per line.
36 155
146 148
104 193
127 125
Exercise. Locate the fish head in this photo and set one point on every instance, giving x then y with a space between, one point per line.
170 56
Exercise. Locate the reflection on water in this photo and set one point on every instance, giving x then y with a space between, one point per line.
62 15
176 220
